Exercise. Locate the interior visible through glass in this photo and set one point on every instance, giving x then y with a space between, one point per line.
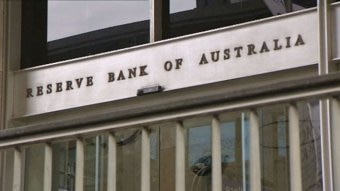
63 166
128 159
95 164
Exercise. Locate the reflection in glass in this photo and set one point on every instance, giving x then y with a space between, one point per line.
163 149
63 166
310 145
274 148
95 164
90 27
198 162
201 15
84 16
128 159
232 153
154 158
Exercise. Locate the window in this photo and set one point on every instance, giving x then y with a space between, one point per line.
54 31
196 136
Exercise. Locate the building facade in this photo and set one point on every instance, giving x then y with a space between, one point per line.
169 95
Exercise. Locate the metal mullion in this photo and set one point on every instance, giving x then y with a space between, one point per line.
79 176
255 162
156 19
112 163
145 160
47 167
335 129
294 149
325 64
17 168
244 177
325 138
216 155
180 157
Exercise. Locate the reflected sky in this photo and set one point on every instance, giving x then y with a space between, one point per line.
69 17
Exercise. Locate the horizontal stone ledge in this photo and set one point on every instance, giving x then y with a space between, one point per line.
292 86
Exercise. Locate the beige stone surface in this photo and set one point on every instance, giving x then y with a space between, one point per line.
1 34
2 27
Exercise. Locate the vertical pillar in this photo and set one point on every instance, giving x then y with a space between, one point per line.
156 19
325 67
335 128
16 184
79 179
325 136
180 157
159 20
294 149
112 163
145 163
216 155
47 167
244 141
255 162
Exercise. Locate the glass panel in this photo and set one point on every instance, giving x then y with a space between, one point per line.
34 170
90 27
310 145
200 15
154 158
84 16
128 159
232 151
274 148
95 172
63 166
198 161
163 151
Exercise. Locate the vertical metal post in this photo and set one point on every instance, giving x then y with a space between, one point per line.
244 177
145 163
112 163
325 67
16 185
336 142
294 149
326 154
216 155
47 167
255 162
97 159
156 20
79 179
180 157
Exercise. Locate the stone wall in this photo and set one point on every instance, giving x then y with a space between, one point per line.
1 58
1 88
